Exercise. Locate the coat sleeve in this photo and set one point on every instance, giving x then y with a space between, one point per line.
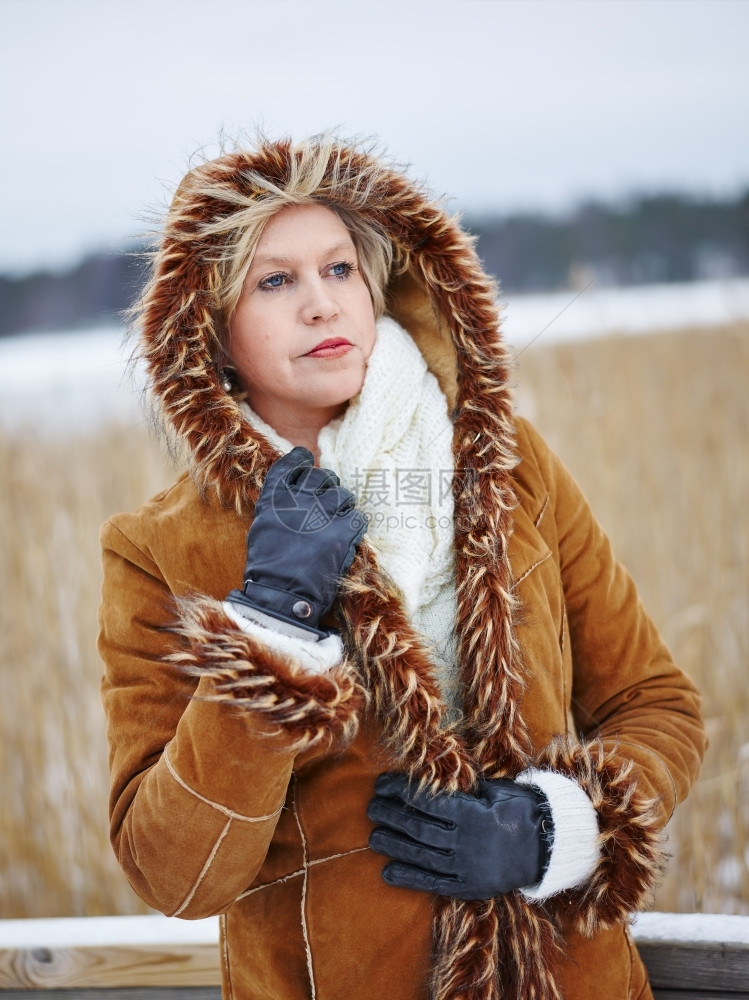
204 724
638 716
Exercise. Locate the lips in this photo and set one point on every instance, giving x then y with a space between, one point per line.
333 347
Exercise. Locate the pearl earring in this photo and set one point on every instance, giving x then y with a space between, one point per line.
228 379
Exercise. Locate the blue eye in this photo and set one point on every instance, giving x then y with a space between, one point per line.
274 280
342 269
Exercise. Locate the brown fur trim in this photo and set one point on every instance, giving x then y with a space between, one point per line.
395 666
632 858
307 710
504 947
530 948
466 950
484 501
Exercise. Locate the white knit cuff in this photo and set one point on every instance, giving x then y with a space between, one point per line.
314 657
575 851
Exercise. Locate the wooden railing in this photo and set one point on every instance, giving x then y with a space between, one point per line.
698 956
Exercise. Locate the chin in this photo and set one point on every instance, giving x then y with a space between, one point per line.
346 389
335 404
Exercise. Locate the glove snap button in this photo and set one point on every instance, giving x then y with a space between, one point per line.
301 609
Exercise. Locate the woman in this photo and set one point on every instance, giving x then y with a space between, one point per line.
471 688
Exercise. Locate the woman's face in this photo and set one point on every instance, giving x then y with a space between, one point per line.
304 327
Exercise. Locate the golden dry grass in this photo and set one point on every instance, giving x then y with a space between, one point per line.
655 429
55 858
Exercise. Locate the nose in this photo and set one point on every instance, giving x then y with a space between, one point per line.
319 303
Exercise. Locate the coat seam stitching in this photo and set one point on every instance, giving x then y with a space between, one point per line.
562 646
209 802
303 909
267 885
299 871
225 949
531 568
334 857
203 870
541 513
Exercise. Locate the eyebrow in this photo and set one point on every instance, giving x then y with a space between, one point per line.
265 259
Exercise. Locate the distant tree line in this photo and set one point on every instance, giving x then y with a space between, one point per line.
96 291
658 238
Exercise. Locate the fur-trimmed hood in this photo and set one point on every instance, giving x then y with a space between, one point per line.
442 297
504 947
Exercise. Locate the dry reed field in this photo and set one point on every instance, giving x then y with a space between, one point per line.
656 429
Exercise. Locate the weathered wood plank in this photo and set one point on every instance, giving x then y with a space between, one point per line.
109 952
695 952
111 966
692 967
669 995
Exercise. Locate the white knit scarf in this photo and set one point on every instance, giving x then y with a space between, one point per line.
393 448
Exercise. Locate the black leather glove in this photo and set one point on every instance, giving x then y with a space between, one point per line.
300 544
466 846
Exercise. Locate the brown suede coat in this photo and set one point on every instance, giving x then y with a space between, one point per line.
240 784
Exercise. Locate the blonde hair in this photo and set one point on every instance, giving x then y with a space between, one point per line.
249 199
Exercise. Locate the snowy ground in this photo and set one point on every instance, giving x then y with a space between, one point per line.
72 379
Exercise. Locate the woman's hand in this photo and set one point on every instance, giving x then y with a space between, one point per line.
300 545
465 846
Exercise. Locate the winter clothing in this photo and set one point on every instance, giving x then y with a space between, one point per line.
574 823
468 846
302 542
240 778
395 429
399 424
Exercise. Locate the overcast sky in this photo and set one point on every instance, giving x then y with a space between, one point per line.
533 104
